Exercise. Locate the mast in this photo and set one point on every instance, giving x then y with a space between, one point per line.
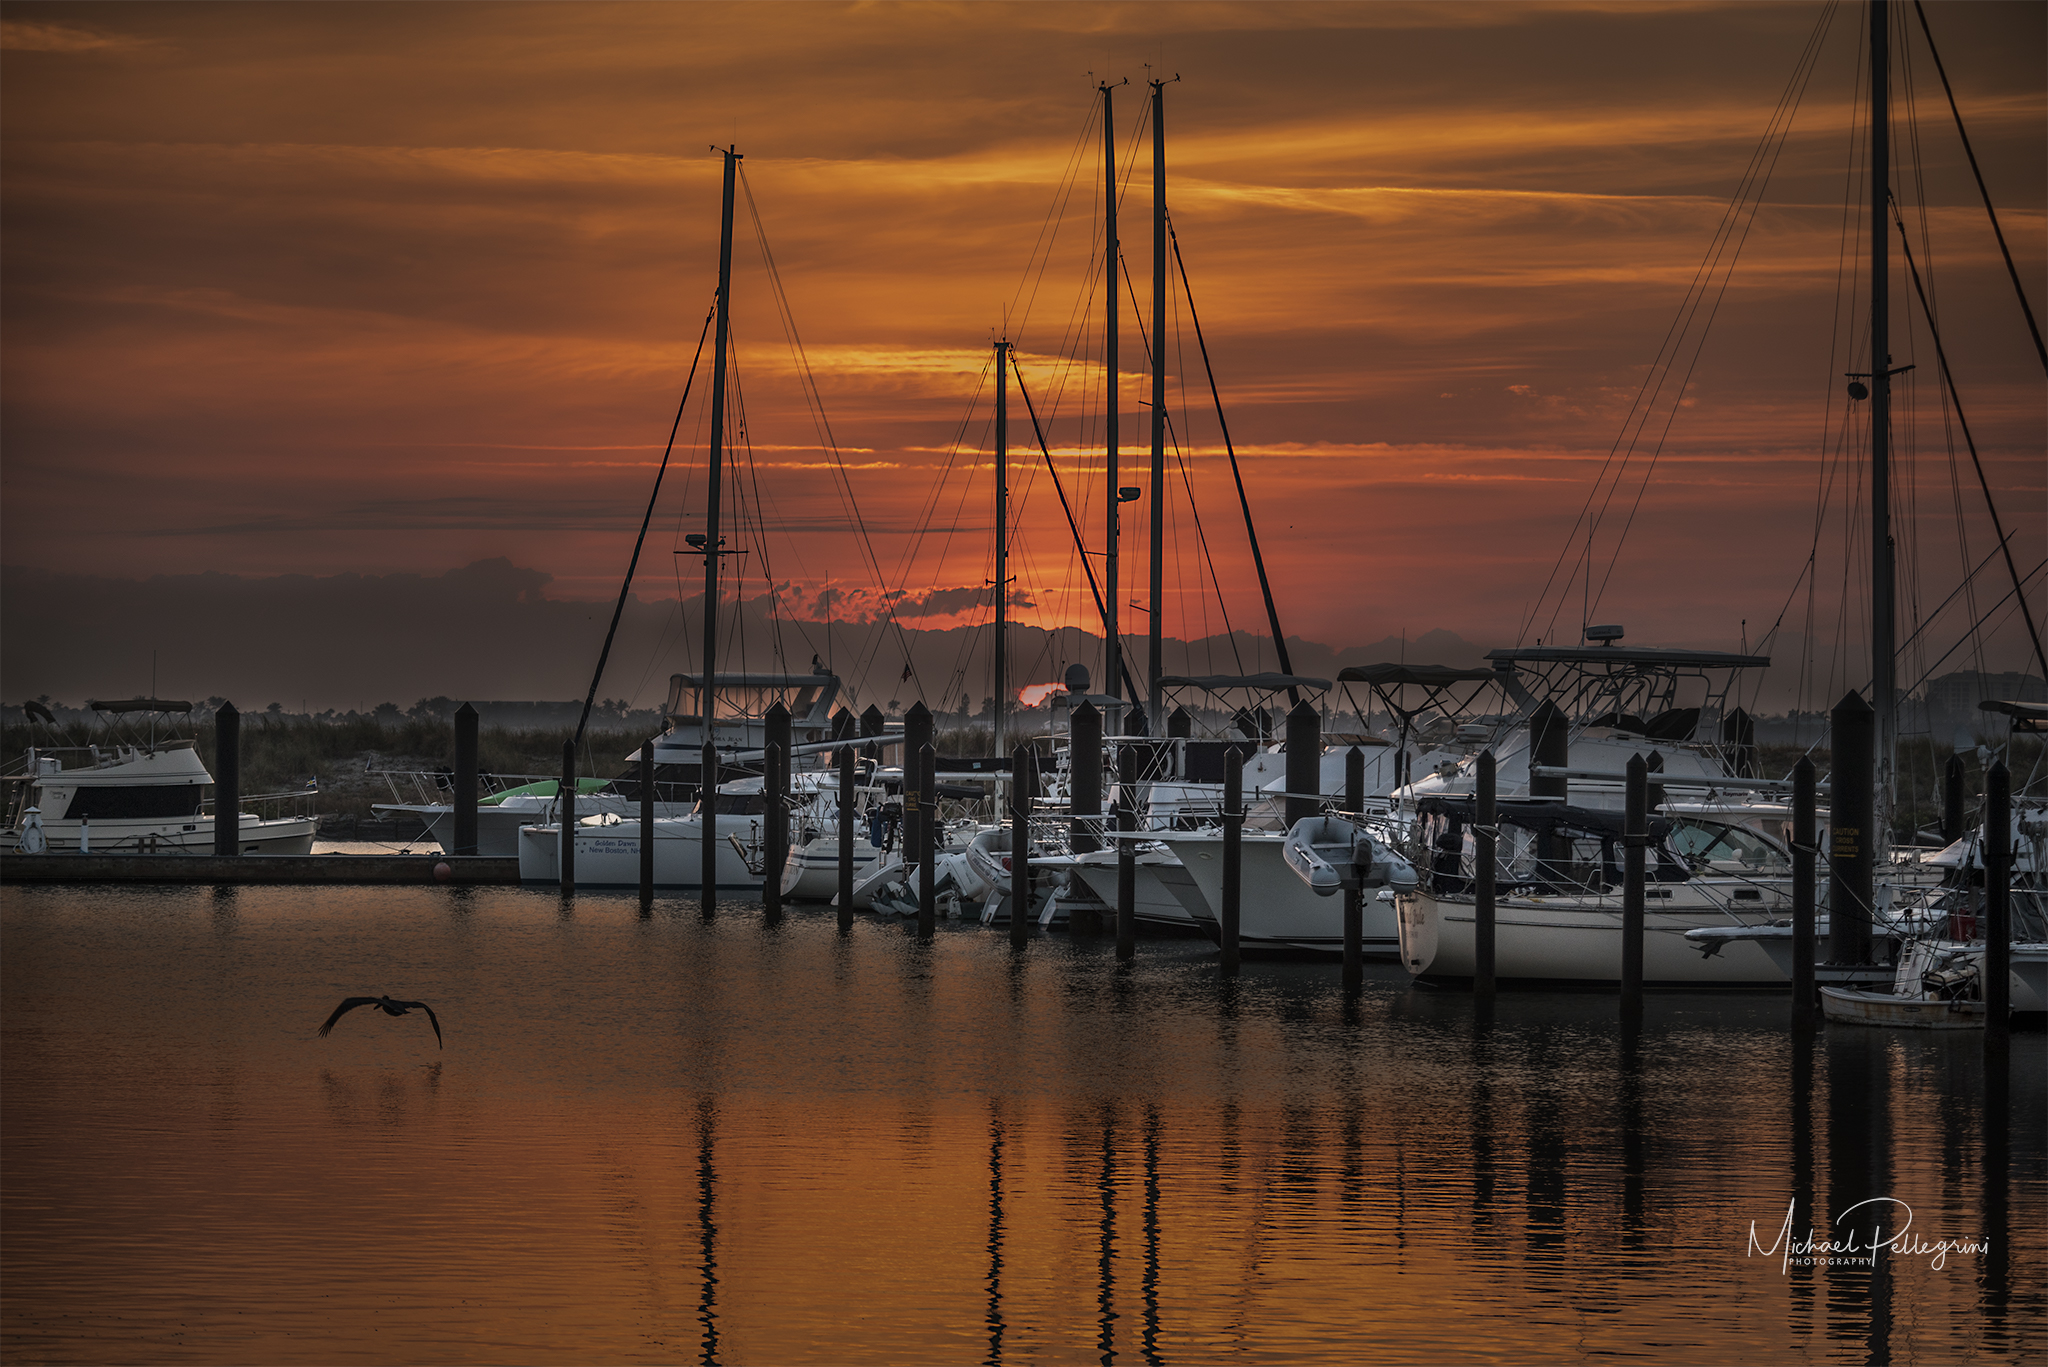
707 691
1002 532
1112 640
1884 680
1158 528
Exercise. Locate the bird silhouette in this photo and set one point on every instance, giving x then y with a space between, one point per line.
388 1007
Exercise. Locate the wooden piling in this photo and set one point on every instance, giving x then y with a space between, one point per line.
1127 760
1852 817
1023 789
647 797
928 843
775 782
707 807
1084 762
1996 974
1952 800
1233 856
872 723
565 812
1304 762
1485 853
846 820
1635 839
227 781
1804 852
465 780
1354 892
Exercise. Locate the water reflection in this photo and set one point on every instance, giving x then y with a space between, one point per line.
657 1137
707 1228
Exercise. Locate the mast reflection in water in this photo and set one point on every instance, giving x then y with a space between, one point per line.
654 1138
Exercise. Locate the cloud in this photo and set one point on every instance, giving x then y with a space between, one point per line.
30 35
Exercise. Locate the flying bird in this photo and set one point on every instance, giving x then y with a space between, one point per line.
388 1007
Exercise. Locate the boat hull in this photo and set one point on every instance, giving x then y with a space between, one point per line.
113 835
1276 911
1848 1006
1574 941
608 855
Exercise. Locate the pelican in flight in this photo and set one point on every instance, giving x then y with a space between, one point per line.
388 1007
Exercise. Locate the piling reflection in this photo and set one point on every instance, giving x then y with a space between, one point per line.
707 1228
995 1232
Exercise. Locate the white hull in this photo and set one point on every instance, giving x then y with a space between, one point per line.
497 827
1578 940
811 873
2030 977
1276 910
113 835
608 855
1158 875
1848 1006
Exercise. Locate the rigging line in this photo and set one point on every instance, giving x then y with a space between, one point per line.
619 609
1955 593
2039 348
1244 502
1671 418
1202 539
814 399
1941 354
2009 593
1074 527
1643 405
1795 91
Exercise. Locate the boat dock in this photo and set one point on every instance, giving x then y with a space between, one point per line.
465 869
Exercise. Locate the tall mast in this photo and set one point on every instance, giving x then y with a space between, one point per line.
1112 640
707 692
1883 666
1157 666
1002 532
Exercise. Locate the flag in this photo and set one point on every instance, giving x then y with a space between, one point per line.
906 669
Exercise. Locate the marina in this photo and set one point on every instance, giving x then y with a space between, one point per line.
1416 812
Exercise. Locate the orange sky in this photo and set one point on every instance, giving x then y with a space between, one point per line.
318 289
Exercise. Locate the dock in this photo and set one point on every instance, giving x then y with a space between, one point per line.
464 869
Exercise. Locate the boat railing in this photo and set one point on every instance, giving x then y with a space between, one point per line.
296 804
436 787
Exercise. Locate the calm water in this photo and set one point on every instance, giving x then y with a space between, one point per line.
662 1138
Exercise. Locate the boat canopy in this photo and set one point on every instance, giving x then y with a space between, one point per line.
2026 716
1423 676
1261 683
1543 817
164 705
1651 657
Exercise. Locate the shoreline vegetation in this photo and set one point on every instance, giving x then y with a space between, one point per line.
344 754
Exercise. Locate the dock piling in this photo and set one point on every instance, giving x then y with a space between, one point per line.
565 811
707 804
1804 852
1127 759
227 781
1852 812
1304 762
647 823
1084 758
1635 838
465 780
1233 856
1952 800
1996 974
847 759
775 782
1023 790
1485 852
1354 893
928 843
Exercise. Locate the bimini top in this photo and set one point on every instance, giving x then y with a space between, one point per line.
2025 715
1426 676
1265 683
139 705
761 680
1631 655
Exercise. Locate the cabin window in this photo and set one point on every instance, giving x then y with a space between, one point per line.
136 801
